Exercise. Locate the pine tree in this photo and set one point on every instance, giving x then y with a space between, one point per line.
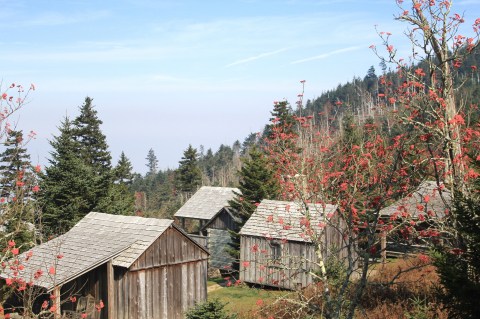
257 182
280 136
93 151
120 198
18 210
189 174
92 143
370 80
123 171
14 160
65 191
207 165
152 163
282 120
250 140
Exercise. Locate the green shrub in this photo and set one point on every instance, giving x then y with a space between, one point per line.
211 309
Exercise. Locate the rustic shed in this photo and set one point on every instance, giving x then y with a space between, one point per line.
139 267
428 196
276 247
209 206
205 204
426 205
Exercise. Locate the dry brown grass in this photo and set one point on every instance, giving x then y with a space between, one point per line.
404 288
401 289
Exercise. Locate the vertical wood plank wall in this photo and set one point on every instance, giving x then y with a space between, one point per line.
223 221
164 282
291 270
94 283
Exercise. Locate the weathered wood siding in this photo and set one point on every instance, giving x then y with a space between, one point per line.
290 270
200 239
164 282
223 221
92 283
334 240
294 261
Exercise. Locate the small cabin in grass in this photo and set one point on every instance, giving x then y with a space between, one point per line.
138 267
426 206
209 207
276 247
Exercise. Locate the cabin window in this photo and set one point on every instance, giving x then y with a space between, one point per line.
276 251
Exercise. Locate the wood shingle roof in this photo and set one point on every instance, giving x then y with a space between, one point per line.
206 202
96 239
426 195
283 220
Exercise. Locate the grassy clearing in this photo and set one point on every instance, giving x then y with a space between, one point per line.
242 299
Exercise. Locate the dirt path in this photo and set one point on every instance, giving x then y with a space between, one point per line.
213 287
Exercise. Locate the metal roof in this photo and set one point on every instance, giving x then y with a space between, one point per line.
207 202
427 196
283 220
96 239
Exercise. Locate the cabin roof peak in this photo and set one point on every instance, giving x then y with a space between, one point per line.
207 202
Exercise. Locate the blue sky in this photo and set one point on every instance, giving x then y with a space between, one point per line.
164 74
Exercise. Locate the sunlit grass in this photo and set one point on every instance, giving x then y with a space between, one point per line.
242 299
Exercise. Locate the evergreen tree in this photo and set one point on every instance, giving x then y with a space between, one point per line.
210 309
18 210
123 171
152 163
250 140
189 174
280 136
93 150
371 80
257 182
208 165
282 120
92 143
66 188
13 161
120 198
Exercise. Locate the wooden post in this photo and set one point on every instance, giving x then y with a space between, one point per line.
383 245
57 301
110 291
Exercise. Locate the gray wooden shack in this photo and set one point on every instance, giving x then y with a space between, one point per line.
426 205
276 247
209 206
435 207
139 267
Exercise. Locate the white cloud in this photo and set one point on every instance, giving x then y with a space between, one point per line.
256 57
326 55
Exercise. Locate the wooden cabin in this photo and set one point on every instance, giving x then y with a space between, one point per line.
426 206
276 246
209 207
138 267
